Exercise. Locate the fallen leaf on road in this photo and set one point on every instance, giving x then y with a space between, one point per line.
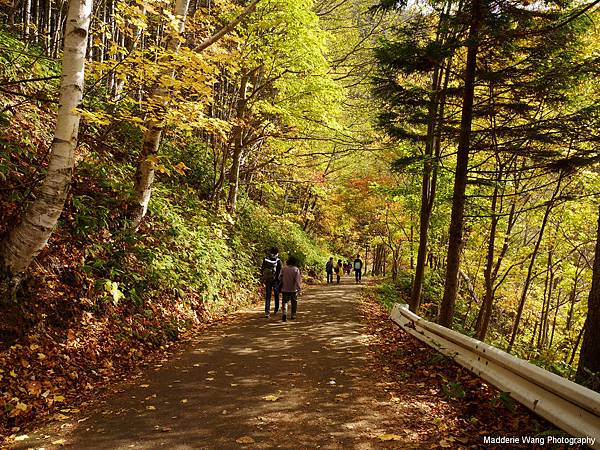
58 442
245 440
233 384
22 437
390 437
21 406
151 408
209 379
34 388
271 398
185 400
144 385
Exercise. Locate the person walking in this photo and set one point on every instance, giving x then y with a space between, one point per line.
339 267
329 270
358 265
271 276
291 287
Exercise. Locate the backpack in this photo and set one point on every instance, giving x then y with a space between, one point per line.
357 264
269 270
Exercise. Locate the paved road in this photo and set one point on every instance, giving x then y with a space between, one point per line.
252 383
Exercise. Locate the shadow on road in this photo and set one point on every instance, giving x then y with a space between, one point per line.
255 383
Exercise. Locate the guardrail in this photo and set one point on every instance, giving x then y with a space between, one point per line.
571 407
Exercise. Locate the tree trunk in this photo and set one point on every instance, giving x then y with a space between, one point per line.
26 19
547 303
27 239
412 245
48 30
573 297
145 171
554 320
515 328
462 166
36 21
12 12
589 356
576 346
144 177
58 29
238 145
485 311
428 187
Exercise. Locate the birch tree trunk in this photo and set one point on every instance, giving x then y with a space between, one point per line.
238 146
144 177
145 171
36 21
26 19
30 236
48 29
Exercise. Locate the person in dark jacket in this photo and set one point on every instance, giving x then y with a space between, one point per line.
358 265
329 270
271 276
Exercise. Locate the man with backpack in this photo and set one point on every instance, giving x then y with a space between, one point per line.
358 265
271 276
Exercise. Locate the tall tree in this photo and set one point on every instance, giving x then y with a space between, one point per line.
589 356
30 236
446 315
144 178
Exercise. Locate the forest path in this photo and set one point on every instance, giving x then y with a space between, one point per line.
253 383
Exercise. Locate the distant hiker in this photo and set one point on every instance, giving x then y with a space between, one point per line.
271 277
348 267
291 286
339 267
329 270
358 265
